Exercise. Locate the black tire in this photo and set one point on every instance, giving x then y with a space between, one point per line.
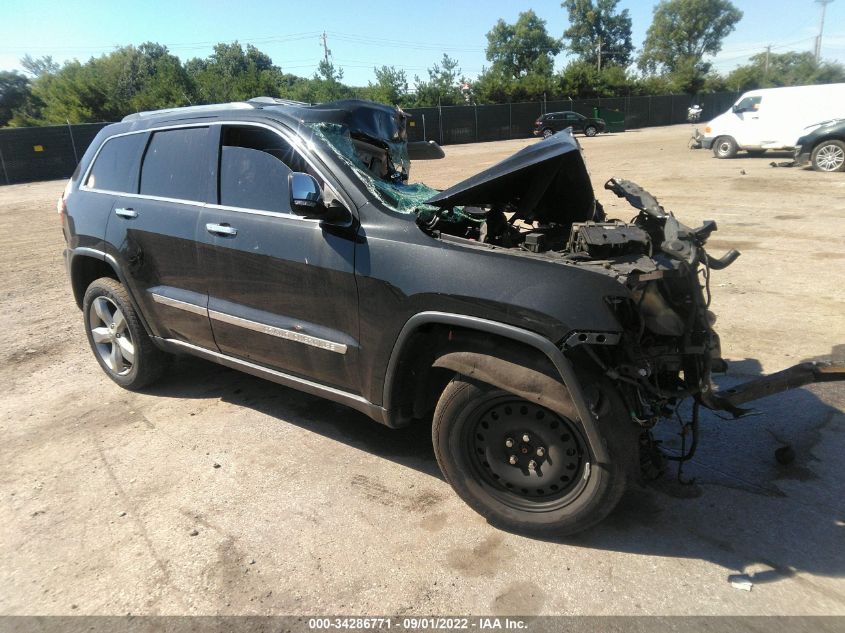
547 132
591 130
755 152
725 147
118 339
828 156
472 428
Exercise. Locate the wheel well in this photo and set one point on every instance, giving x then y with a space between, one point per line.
84 270
826 139
416 384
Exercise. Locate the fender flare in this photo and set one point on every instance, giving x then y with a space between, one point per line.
84 251
562 365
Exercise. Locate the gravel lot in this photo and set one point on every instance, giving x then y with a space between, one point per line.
219 493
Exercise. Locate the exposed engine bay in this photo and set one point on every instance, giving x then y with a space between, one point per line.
539 202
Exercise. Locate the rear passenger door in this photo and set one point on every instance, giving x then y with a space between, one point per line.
281 288
573 120
152 232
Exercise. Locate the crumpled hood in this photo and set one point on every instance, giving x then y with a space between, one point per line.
546 181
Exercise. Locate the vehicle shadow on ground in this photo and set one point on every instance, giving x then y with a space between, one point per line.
194 378
740 508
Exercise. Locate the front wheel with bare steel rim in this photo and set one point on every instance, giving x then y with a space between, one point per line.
119 342
522 466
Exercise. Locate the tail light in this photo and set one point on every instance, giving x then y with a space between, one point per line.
61 207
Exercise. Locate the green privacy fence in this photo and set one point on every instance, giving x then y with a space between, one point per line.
43 153
476 123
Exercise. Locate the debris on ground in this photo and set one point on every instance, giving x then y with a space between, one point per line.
783 163
741 582
193 532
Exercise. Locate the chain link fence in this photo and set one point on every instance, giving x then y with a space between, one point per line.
44 153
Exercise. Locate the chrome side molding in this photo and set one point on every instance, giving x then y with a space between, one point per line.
255 326
357 402
180 305
289 335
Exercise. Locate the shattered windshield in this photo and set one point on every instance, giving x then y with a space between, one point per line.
390 186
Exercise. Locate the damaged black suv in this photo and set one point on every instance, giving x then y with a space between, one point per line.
285 240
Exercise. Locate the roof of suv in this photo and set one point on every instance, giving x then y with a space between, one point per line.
367 117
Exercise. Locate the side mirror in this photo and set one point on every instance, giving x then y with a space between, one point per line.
305 192
737 109
306 199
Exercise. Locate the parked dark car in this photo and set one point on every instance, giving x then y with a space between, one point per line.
541 341
824 147
552 122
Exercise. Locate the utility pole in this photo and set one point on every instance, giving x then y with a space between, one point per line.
824 4
766 65
598 52
326 51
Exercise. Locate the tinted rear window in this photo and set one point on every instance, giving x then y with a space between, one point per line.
176 164
116 166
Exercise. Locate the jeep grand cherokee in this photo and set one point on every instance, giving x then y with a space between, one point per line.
542 340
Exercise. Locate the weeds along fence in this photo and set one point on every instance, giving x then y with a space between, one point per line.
50 152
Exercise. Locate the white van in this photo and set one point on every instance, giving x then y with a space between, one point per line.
772 118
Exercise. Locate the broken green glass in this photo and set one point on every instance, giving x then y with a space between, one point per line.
396 194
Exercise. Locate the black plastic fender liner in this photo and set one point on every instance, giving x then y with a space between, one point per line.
517 379
561 364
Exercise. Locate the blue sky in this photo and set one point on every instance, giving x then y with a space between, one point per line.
409 35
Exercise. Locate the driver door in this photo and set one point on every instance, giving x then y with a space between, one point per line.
281 288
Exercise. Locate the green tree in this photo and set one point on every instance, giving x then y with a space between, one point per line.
105 88
39 66
582 79
443 86
232 73
784 69
599 24
522 56
682 32
523 48
14 94
391 86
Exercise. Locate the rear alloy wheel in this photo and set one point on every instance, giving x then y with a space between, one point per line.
117 338
725 147
522 466
547 132
829 156
591 130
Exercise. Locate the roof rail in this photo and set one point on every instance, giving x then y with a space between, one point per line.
276 101
199 109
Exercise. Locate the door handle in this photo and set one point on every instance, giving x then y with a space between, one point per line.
221 229
126 213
